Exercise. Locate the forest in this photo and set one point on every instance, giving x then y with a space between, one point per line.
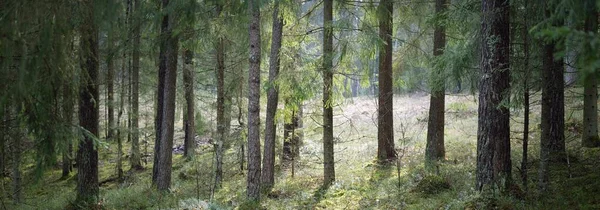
299 104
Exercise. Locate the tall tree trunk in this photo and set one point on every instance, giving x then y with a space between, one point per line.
87 155
136 156
590 87
120 126
385 121
221 127
493 134
435 149
4 136
525 98
254 170
267 179
167 77
328 161
188 80
552 140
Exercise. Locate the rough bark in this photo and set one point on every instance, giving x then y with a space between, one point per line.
188 80
254 170
493 134
435 149
136 157
87 155
328 161
385 120
221 127
167 70
268 173
590 88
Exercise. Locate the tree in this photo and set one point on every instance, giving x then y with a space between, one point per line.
493 133
68 106
165 116
526 87
254 170
188 80
385 120
222 130
590 86
267 179
552 139
435 149
87 154
135 160
328 161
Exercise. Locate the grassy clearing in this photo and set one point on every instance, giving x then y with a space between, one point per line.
360 183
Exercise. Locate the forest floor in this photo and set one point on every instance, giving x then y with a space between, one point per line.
360 182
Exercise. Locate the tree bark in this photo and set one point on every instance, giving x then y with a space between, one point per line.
136 157
222 132
493 134
18 136
87 155
254 170
328 159
435 149
385 121
525 98
110 75
590 87
188 80
167 78
552 140
267 179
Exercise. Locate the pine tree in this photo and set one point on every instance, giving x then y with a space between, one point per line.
385 123
254 170
328 159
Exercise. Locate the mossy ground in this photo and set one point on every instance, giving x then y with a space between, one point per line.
360 182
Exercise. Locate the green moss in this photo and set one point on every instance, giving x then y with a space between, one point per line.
431 185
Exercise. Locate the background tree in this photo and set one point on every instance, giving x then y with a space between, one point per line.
135 159
327 73
268 172
435 149
590 85
385 122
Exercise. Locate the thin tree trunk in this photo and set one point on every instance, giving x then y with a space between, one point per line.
188 80
525 100
161 171
254 170
590 88
385 123
268 173
120 126
110 72
87 155
493 134
435 149
68 108
15 152
328 163
3 141
136 156
221 127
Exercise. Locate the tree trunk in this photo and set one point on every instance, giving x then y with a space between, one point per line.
221 127
493 134
328 161
87 155
188 80
590 88
4 136
120 126
267 179
254 170
167 70
385 123
15 152
435 149
136 157
68 108
110 75
525 98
